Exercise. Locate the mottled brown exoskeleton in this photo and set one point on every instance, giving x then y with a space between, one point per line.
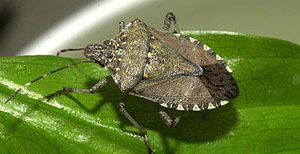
171 69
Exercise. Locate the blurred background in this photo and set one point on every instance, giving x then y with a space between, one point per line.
35 27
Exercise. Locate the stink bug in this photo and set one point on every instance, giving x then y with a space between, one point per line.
171 69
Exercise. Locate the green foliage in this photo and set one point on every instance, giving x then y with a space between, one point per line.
265 118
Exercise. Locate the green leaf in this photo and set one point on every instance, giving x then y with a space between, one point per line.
265 118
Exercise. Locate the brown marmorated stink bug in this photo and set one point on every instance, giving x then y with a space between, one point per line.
171 69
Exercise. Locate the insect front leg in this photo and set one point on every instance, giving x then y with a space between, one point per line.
96 87
136 124
167 23
167 120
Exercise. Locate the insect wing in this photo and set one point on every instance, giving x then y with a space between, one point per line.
180 92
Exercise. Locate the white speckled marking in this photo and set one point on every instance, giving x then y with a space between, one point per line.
196 108
211 106
218 57
164 104
177 35
128 25
206 48
179 107
192 40
224 102
228 69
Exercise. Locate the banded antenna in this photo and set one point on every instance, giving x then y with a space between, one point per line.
70 49
45 75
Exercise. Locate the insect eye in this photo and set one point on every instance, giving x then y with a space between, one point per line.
102 62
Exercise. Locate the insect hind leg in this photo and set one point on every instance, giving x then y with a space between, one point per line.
167 23
96 87
136 124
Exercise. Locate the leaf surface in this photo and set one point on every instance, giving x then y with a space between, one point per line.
265 118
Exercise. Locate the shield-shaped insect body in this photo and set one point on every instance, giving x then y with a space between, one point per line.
171 69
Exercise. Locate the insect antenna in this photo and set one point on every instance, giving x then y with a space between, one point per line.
70 49
43 76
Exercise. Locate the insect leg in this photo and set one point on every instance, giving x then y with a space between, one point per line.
121 26
136 124
70 49
167 120
96 87
43 76
167 23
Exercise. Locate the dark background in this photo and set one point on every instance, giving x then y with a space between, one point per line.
25 22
